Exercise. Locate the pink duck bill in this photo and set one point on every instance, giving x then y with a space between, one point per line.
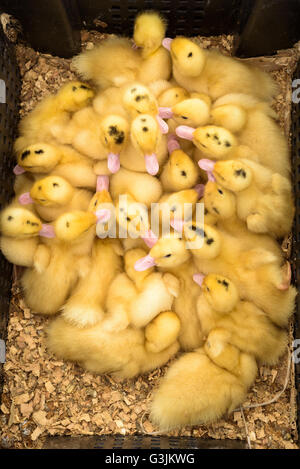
144 263
208 166
113 162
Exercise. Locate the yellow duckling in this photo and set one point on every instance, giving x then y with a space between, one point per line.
170 255
53 111
53 195
253 123
111 63
46 291
115 62
149 32
179 173
98 137
86 305
210 72
240 323
142 187
261 275
136 298
61 160
177 205
20 237
196 390
256 189
123 354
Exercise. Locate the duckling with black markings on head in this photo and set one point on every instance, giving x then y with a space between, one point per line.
20 239
256 189
61 160
240 323
254 124
179 173
211 72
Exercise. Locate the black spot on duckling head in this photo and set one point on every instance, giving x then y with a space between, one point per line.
240 172
55 184
210 241
39 152
67 224
190 54
34 223
183 117
198 231
74 88
183 173
143 119
224 283
84 87
227 144
220 191
9 218
205 211
132 90
112 130
145 129
168 255
216 210
25 154
119 138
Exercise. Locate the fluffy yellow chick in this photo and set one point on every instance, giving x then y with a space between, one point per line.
176 205
61 160
111 63
210 72
142 187
86 305
262 276
225 316
179 173
135 298
46 291
55 110
149 32
115 62
97 137
171 255
123 354
20 232
53 195
253 123
257 189
195 390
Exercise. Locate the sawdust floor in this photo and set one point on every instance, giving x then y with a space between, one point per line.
43 396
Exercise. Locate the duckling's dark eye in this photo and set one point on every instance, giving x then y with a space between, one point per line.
183 117
40 188
39 152
25 154
209 241
168 255
227 144
183 173
220 192
67 224
226 284
208 289
190 54
55 184
9 218
28 222
95 203
74 88
145 129
128 219
84 87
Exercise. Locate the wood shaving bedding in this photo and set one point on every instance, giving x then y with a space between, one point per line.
43 396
